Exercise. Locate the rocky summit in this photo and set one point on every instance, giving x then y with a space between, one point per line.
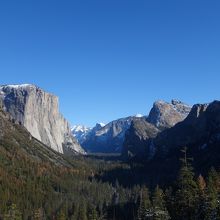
38 112
163 115
200 131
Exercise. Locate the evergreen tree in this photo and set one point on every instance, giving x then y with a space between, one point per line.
75 212
82 213
159 208
202 196
211 208
92 214
170 201
145 207
187 193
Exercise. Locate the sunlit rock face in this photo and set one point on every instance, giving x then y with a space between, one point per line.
165 115
39 112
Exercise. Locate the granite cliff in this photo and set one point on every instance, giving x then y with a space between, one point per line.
38 112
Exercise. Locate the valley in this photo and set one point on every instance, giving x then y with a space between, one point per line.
167 166
109 110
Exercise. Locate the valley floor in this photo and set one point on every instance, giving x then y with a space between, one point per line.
101 187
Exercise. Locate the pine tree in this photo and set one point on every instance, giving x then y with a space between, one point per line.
187 192
75 212
202 196
211 208
82 213
93 214
159 209
145 207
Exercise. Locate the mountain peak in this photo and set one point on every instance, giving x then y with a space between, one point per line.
165 115
138 116
81 128
17 86
177 102
100 124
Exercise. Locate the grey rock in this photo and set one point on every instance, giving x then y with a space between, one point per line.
139 138
108 138
199 132
14 137
39 112
196 129
165 115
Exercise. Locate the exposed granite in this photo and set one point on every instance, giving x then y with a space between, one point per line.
39 112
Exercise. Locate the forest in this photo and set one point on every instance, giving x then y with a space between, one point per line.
94 188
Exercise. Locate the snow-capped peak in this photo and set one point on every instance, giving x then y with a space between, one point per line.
80 132
80 128
101 124
17 86
138 115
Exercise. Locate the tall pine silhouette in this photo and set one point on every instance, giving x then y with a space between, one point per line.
187 192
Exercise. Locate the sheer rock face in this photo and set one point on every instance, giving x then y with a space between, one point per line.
39 112
21 141
165 115
138 139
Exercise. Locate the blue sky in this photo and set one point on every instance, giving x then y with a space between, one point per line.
108 59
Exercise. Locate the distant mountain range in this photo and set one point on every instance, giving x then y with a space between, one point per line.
110 138
104 138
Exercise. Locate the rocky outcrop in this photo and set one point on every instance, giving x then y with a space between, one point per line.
165 115
201 127
138 138
39 112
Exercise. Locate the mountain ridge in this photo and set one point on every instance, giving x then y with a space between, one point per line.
111 137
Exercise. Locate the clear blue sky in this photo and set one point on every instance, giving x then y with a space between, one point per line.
112 58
